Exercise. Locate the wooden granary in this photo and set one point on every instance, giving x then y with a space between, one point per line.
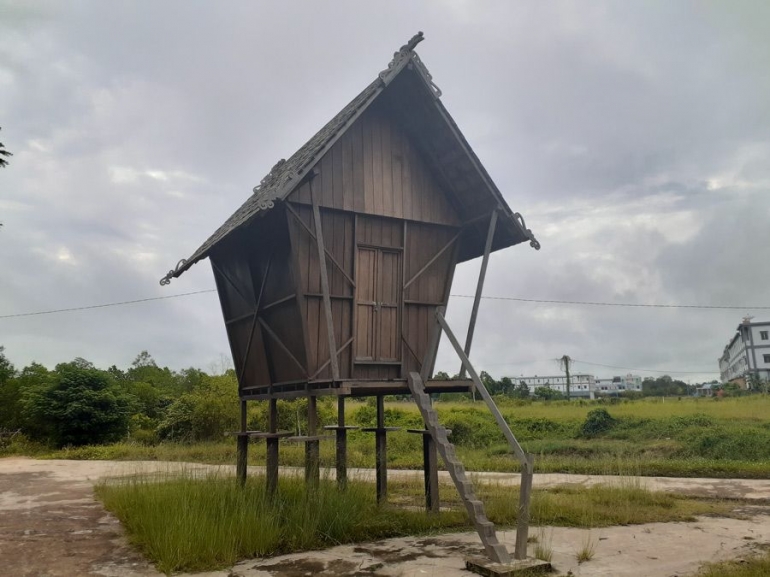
333 274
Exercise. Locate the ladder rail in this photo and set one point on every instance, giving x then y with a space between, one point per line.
526 460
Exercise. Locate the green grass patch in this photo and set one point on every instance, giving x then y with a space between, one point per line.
755 566
189 522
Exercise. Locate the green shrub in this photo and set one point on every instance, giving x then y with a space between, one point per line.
597 422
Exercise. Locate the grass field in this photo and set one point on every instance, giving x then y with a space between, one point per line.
189 523
666 437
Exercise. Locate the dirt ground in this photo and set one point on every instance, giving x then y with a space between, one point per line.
51 526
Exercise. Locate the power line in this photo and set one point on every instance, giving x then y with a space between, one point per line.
514 299
644 370
606 304
105 305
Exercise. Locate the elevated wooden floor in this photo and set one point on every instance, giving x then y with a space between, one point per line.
352 389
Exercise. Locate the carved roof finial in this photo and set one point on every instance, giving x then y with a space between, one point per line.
413 41
404 53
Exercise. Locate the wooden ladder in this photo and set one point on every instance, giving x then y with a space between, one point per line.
495 550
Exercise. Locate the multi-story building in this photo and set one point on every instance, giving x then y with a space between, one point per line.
747 354
616 385
581 385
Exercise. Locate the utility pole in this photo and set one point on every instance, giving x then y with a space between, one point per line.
565 362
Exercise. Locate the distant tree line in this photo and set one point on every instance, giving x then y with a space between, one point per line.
78 404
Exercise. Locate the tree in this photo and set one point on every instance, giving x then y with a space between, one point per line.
10 397
3 155
522 391
548 394
81 406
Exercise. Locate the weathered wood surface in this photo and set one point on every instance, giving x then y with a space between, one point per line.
375 168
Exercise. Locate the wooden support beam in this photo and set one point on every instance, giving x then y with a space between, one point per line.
279 342
256 316
333 355
431 261
278 302
326 364
479 287
271 457
313 236
482 389
239 319
242 449
229 280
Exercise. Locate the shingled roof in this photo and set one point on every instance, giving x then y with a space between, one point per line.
287 174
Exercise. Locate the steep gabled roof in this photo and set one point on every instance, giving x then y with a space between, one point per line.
287 174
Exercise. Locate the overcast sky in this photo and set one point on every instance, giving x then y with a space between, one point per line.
634 137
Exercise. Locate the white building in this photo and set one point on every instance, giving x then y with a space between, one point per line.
616 385
747 353
581 385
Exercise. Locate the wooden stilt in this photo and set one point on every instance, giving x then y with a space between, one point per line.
312 446
271 458
342 446
242 449
430 469
381 452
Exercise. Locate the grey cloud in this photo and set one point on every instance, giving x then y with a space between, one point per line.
633 137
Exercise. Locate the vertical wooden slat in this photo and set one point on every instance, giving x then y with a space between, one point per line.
387 170
357 145
377 166
368 162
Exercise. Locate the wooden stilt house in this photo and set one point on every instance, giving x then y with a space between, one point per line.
367 219
331 274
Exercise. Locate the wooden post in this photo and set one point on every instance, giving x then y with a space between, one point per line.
479 287
381 456
312 446
319 237
342 446
522 523
243 449
271 458
430 462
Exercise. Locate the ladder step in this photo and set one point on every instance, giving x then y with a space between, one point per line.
498 553
475 508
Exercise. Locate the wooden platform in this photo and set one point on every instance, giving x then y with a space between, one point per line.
353 389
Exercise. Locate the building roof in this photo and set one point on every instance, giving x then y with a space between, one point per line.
284 177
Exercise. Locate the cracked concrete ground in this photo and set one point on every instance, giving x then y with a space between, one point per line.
51 526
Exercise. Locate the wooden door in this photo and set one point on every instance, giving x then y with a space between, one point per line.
378 297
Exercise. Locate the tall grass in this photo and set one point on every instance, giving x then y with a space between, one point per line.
185 522
194 521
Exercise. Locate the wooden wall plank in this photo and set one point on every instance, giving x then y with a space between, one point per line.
375 169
